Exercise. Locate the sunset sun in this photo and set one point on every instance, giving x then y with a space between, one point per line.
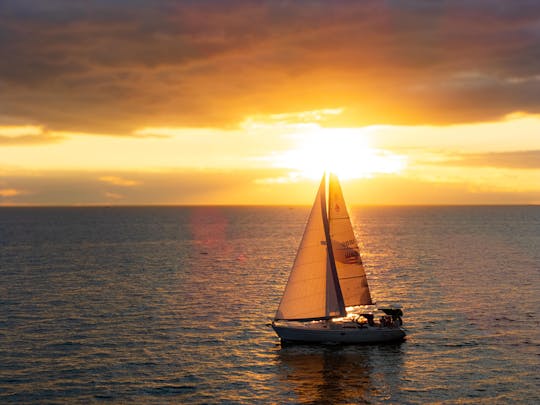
345 152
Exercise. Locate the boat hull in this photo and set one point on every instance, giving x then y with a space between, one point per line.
302 334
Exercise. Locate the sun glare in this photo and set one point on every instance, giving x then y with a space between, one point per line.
346 152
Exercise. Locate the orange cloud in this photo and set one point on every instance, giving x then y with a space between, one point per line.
9 192
26 135
113 196
527 159
119 181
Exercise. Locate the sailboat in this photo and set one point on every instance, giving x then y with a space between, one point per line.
327 297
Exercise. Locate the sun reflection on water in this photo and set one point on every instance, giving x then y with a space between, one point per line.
340 374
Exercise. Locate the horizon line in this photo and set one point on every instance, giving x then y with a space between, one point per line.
157 205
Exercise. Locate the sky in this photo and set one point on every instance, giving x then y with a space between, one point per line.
121 102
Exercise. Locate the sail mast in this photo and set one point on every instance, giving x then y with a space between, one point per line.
331 260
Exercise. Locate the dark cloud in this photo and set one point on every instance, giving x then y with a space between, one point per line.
113 66
528 159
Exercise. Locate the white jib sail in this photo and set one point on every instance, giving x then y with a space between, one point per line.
352 277
312 290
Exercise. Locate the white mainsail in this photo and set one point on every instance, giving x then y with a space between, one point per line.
313 291
352 277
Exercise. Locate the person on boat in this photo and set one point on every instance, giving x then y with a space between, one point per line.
360 321
369 318
396 317
386 322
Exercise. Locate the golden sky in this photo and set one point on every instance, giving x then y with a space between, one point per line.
211 102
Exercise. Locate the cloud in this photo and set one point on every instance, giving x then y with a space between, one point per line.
119 181
528 159
9 192
26 135
113 196
117 66
248 187
73 187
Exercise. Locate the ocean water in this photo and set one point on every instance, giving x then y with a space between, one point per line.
169 305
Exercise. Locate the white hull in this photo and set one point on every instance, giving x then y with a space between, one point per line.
319 333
